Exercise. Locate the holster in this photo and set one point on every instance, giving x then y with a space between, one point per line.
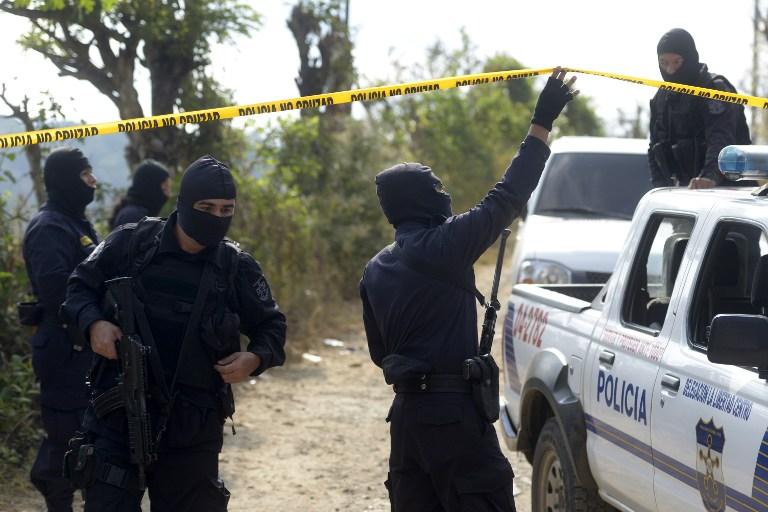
483 372
81 462
30 313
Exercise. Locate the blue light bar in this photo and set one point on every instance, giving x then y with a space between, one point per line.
743 162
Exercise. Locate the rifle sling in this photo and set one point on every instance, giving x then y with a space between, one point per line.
436 272
191 333
149 341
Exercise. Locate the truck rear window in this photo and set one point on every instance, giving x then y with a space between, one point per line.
593 184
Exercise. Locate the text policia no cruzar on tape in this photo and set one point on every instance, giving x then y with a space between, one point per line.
338 98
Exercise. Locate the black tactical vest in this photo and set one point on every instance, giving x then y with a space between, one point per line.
680 121
168 286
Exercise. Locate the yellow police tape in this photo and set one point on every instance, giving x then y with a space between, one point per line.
338 98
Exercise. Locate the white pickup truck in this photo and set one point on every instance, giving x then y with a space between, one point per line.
633 394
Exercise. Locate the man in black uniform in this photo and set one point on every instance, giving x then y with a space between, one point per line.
444 454
150 189
177 265
688 132
56 240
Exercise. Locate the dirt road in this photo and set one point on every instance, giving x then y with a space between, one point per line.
311 436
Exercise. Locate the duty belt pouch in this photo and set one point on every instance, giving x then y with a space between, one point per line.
483 373
80 462
30 313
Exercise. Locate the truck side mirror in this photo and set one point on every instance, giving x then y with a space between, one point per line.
740 340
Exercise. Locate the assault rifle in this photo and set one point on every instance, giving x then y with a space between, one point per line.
132 355
482 370
493 306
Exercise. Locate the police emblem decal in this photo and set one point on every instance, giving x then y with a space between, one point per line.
710 441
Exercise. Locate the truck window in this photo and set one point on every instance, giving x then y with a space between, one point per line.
602 185
733 277
654 271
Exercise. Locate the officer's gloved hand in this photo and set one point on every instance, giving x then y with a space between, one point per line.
553 99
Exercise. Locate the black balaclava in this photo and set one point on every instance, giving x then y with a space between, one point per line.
680 42
412 192
61 173
205 178
145 190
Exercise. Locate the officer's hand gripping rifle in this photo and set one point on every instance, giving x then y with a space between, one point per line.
132 355
481 370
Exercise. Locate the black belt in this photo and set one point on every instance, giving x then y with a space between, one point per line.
434 383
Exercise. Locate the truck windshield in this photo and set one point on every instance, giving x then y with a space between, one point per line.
593 185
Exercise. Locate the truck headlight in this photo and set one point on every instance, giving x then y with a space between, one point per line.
543 272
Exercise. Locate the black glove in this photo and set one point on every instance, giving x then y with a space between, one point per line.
552 100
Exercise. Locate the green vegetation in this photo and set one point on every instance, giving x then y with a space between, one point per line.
307 206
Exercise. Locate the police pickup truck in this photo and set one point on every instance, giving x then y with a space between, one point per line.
650 392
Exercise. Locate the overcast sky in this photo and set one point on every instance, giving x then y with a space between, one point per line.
604 35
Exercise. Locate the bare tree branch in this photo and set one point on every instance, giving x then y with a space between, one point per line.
32 152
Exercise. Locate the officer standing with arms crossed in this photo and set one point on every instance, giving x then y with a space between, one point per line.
444 452
196 293
57 238
688 132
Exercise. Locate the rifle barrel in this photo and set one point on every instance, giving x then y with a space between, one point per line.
499 263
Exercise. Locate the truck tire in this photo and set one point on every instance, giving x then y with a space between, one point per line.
554 484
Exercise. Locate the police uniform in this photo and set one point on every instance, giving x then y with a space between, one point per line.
58 238
145 196
130 213
444 455
420 319
185 476
687 132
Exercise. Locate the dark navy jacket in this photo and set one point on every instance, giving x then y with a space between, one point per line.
416 324
709 125
55 242
130 213
167 284
260 319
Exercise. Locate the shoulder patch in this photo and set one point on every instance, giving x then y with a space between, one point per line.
716 107
261 288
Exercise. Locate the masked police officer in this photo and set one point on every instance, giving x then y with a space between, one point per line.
149 191
688 132
56 240
421 328
198 292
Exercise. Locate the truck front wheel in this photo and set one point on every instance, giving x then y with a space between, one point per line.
554 486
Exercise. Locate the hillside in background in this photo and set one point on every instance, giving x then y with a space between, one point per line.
104 152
